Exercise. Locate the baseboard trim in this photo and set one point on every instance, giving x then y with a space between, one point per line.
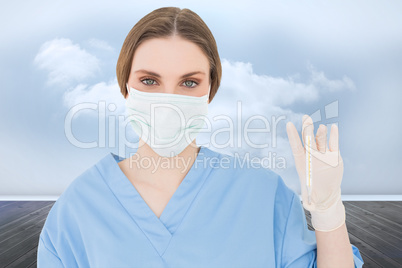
368 197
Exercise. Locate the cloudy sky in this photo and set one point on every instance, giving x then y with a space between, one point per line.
338 61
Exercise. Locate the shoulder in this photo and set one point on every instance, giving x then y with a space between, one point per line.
82 185
83 190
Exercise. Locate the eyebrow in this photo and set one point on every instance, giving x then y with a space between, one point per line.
159 76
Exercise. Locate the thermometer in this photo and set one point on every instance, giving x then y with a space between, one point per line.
309 174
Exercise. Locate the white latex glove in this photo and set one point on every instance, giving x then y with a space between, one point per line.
326 208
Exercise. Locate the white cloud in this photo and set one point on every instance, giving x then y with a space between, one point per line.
244 84
108 92
321 81
66 62
99 44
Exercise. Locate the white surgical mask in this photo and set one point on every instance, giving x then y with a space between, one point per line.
168 123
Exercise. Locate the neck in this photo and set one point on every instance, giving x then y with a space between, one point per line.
155 167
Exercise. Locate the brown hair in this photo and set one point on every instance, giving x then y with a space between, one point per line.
165 22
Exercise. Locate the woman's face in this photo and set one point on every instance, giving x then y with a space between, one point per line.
160 64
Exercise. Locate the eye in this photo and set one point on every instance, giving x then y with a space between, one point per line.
149 81
190 83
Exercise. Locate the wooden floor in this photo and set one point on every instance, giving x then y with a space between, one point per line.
374 227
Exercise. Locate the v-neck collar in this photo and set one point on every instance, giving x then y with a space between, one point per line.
159 231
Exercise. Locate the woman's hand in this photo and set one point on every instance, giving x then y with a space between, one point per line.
326 208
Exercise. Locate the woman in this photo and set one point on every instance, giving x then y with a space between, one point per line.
196 207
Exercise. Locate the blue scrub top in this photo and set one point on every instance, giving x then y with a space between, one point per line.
225 213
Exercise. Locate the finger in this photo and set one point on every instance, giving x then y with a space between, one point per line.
308 130
334 138
303 134
321 138
294 139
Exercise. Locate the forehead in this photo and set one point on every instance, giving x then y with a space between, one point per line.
171 55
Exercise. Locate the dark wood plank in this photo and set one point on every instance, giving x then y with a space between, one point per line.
5 203
368 262
18 209
21 246
390 226
33 265
20 235
374 227
26 260
371 256
388 211
21 224
395 203
377 238
16 238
